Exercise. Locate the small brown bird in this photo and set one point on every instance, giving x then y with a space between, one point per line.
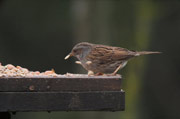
101 59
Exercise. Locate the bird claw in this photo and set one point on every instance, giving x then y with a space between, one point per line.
90 73
99 74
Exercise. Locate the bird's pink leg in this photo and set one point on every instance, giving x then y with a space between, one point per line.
119 67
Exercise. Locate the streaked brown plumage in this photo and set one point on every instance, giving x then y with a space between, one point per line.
102 58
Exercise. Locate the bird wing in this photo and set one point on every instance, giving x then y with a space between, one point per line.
100 53
122 53
106 54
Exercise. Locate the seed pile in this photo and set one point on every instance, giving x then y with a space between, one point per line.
10 70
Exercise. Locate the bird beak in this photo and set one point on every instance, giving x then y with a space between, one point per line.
69 55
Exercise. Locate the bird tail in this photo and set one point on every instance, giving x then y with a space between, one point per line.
146 53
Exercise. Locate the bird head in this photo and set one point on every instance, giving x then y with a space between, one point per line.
80 50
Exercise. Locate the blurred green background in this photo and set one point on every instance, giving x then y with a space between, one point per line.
39 34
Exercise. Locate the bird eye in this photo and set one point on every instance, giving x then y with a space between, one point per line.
75 50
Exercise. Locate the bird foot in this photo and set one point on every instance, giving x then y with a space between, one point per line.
99 74
112 74
102 74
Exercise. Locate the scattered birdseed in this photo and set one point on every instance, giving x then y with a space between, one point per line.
10 70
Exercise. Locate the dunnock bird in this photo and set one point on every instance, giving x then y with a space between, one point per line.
101 59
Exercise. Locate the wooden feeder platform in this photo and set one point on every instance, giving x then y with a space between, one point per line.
62 93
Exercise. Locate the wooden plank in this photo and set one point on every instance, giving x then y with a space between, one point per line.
62 101
48 84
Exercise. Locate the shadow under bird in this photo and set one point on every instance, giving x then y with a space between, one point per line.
103 59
